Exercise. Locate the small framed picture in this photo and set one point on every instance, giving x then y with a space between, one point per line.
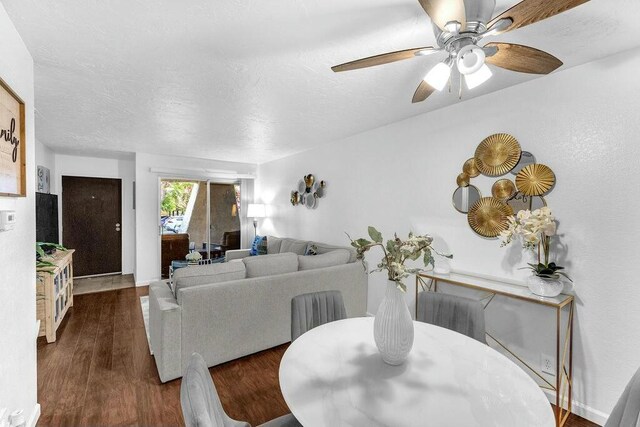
43 180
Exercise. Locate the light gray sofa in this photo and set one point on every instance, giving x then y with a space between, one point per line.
229 310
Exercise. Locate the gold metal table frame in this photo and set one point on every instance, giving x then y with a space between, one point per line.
563 386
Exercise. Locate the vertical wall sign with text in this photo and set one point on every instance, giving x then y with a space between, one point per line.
12 144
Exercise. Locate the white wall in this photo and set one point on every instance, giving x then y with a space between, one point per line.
148 203
96 167
583 123
17 256
46 157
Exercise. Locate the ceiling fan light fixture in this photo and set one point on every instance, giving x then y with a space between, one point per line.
476 79
438 76
470 59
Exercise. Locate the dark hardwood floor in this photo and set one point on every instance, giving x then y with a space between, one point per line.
99 372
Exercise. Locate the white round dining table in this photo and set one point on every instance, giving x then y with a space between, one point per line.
334 376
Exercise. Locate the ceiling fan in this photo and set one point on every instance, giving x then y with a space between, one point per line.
459 25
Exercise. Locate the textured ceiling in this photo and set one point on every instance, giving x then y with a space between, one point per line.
251 80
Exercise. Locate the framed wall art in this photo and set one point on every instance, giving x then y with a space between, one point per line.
43 180
13 181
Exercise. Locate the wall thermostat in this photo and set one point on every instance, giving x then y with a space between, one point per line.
7 220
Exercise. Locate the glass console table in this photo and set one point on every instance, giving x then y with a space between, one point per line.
428 282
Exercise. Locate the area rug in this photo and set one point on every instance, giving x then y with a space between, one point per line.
144 305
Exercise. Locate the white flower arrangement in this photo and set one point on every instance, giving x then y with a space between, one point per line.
193 257
535 229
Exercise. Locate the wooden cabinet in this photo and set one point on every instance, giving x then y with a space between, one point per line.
174 247
54 293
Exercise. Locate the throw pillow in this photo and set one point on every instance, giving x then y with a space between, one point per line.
311 249
262 246
254 246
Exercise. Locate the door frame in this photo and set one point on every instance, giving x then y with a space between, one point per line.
201 180
122 213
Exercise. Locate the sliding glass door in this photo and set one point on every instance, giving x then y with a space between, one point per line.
197 217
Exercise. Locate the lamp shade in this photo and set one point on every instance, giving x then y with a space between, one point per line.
255 210
438 76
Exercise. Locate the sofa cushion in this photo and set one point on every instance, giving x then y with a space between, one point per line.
298 247
329 259
273 245
270 265
195 275
323 248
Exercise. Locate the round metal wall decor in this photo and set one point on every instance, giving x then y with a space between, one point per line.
462 180
520 202
465 197
503 189
497 154
526 159
488 217
535 180
470 168
308 192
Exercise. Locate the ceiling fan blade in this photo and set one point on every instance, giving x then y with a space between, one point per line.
524 59
384 58
443 11
422 92
530 11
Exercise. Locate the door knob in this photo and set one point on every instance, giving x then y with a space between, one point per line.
117 228
117 224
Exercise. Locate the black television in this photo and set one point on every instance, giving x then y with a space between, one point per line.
47 218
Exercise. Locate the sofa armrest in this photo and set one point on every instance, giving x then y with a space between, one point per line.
165 331
236 254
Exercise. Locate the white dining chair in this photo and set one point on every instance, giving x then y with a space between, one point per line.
201 406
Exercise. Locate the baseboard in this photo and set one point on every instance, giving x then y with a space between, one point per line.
580 409
35 415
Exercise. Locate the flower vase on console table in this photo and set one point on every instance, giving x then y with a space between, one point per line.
536 229
393 326
545 287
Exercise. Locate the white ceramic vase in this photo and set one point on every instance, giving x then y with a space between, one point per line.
393 327
545 287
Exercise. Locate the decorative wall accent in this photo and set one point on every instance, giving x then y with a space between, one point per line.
13 181
496 156
43 180
308 192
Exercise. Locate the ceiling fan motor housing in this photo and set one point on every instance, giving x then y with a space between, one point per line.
479 10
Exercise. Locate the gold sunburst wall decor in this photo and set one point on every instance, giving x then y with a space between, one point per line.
470 168
462 180
503 189
535 180
497 154
489 216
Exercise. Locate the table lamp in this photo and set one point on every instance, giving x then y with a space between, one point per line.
255 211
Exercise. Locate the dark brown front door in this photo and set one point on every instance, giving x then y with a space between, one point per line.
92 224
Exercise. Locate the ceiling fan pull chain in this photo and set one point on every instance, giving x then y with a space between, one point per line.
460 87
